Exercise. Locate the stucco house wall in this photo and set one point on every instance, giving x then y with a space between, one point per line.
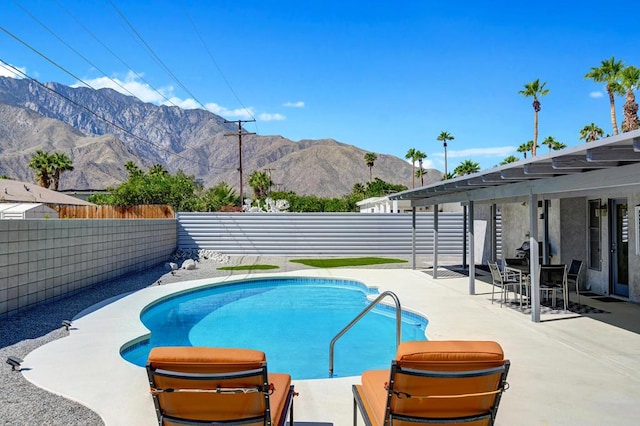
569 237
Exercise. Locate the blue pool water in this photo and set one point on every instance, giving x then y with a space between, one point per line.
291 320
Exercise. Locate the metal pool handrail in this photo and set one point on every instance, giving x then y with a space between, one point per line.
359 317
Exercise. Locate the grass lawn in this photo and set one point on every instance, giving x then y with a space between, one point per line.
247 267
346 261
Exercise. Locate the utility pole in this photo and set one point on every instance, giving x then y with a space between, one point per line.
269 172
239 135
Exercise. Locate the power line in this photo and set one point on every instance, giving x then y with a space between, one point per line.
70 47
81 56
206 48
115 55
90 111
154 55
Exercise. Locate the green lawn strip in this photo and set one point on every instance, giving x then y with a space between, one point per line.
346 261
247 267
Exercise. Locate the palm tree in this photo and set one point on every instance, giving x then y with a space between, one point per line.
41 163
553 144
358 189
218 198
608 72
630 81
509 159
444 137
411 155
466 168
448 176
525 147
370 158
591 132
535 90
260 182
420 173
60 163
420 156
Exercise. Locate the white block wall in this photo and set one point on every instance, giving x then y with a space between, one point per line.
46 259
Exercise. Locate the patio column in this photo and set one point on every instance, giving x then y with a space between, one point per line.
464 236
492 233
534 262
472 258
413 237
435 241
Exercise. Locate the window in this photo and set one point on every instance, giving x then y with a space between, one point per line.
594 235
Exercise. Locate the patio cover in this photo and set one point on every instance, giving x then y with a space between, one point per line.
609 165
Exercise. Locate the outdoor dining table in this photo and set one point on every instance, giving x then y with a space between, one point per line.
524 272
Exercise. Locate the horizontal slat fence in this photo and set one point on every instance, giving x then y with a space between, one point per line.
115 212
329 234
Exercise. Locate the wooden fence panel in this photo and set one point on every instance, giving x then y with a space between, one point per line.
115 212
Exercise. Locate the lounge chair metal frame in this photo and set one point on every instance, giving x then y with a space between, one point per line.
265 389
489 416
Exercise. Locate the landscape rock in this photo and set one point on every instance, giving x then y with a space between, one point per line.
189 264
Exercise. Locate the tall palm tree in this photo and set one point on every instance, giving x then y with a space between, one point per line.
444 137
42 164
370 159
60 163
608 72
260 182
411 155
591 132
535 90
466 168
420 156
630 81
553 144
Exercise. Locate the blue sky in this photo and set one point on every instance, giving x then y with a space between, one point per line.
380 75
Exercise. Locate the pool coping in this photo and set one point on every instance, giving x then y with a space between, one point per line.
84 367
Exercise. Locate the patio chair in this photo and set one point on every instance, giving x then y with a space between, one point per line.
553 279
435 382
505 281
197 385
573 275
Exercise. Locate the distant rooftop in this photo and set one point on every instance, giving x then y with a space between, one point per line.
13 191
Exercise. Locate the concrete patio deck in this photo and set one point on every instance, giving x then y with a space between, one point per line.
567 370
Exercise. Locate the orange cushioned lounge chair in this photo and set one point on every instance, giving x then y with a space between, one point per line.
197 385
435 382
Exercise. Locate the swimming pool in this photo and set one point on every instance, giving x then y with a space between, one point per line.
292 320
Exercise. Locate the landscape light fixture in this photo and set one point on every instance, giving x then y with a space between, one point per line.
66 324
14 362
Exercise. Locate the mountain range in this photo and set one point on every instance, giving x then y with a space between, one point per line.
101 130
